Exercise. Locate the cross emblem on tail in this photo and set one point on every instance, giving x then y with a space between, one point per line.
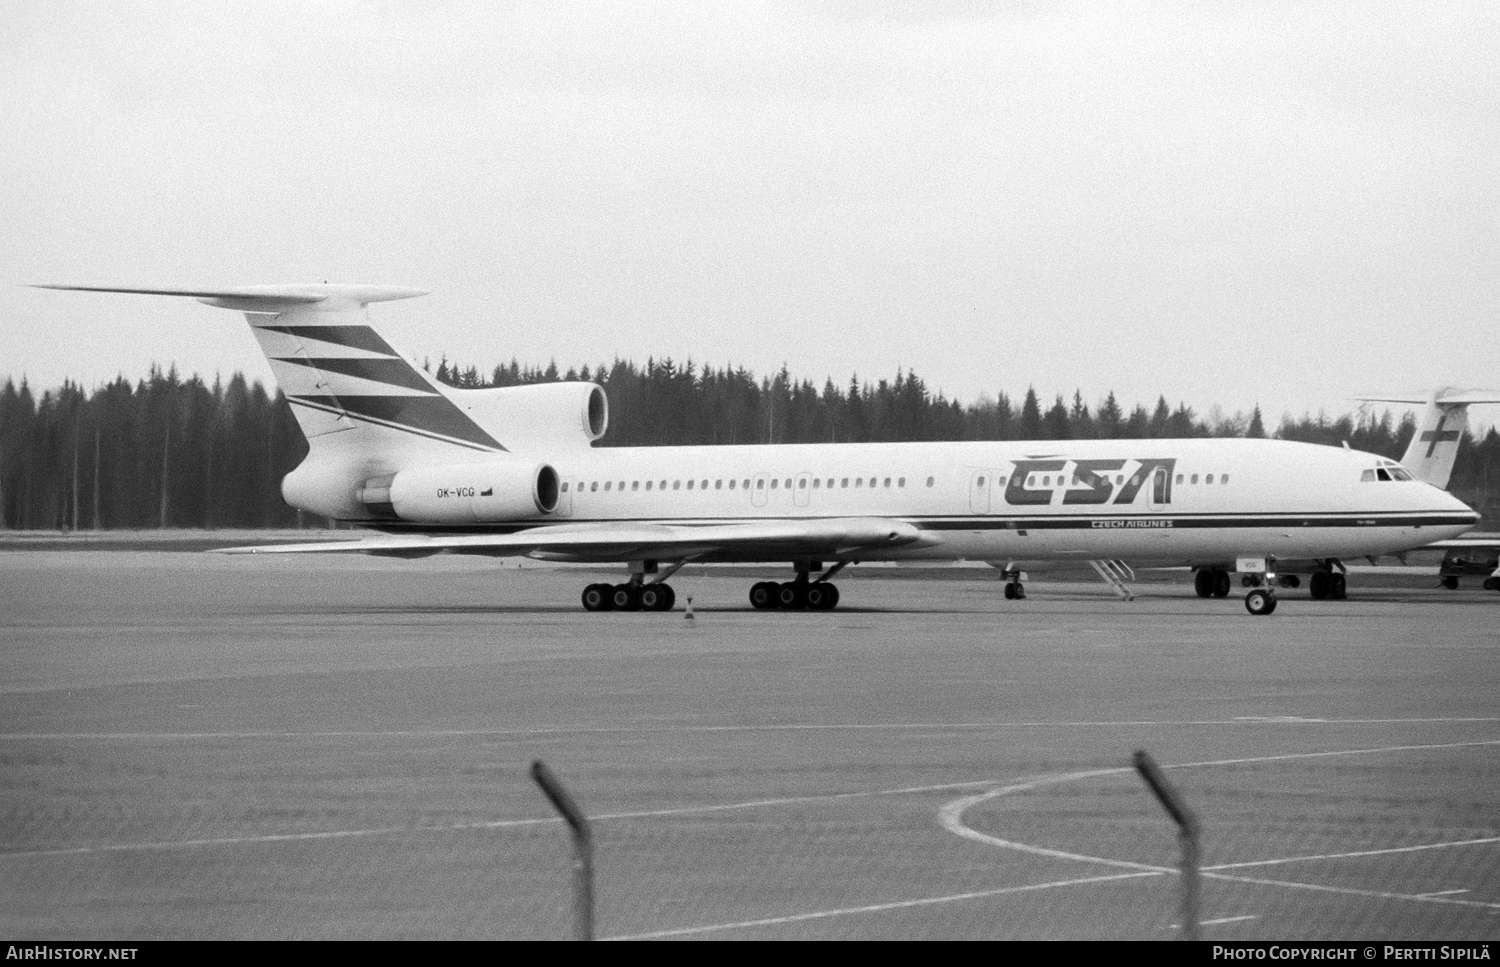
1439 435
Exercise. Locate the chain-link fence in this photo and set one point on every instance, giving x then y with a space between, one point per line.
1292 848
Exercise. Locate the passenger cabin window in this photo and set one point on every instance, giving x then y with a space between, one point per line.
774 483
564 488
1208 479
1179 479
901 482
760 485
930 481
690 485
1223 479
1193 478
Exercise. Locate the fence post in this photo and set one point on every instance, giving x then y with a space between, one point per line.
1187 833
583 848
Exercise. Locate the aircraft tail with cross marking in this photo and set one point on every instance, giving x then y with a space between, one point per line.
1433 449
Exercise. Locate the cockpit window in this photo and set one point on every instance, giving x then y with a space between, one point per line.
1381 474
1401 473
1367 476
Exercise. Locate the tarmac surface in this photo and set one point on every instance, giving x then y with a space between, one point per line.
201 746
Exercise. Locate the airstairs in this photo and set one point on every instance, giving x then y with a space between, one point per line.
1116 574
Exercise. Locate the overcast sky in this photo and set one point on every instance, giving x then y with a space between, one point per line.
1229 203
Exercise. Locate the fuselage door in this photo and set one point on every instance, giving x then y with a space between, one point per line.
979 492
803 492
760 490
1161 491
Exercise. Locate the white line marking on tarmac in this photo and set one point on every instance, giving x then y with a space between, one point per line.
1445 892
951 818
782 727
877 907
1356 855
489 824
1215 923
1353 891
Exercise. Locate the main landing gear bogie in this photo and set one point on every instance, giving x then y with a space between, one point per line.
629 597
1211 583
1327 585
794 596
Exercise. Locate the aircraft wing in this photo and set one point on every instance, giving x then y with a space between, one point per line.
1459 543
750 540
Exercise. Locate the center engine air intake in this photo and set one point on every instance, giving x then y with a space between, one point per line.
468 493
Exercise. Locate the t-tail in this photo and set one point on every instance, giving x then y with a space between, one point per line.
369 414
1434 447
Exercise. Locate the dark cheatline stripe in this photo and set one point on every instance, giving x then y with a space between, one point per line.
392 372
426 415
354 337
980 524
1169 522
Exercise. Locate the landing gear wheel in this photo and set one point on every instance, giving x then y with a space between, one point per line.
657 597
1317 585
822 596
1492 584
1260 601
1221 584
1015 591
626 597
1450 582
792 596
1338 589
763 595
598 597
1203 582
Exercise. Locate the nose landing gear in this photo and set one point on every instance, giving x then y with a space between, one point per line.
1260 601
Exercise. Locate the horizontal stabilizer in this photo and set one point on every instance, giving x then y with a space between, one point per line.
270 298
1467 397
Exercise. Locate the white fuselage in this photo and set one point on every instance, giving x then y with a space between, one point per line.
1195 501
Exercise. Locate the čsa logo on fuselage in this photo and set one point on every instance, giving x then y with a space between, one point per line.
1034 482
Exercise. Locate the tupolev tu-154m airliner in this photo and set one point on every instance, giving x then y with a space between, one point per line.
513 472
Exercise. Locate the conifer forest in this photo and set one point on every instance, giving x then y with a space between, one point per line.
174 452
